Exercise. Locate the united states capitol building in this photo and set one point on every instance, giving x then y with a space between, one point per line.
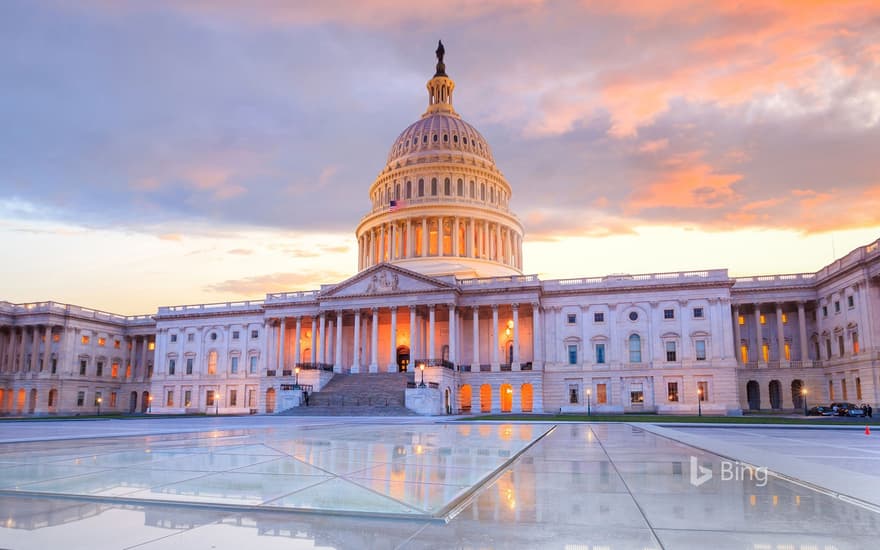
440 301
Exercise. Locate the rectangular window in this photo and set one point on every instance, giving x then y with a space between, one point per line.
253 366
703 390
824 311
672 391
82 367
787 349
855 341
187 398
635 349
744 352
169 398
56 337
117 344
700 347
763 319
765 352
151 345
850 302
698 313
573 393
742 319
670 351
85 339
837 308
128 371
827 349
843 388
80 398
233 398
172 364
189 365
233 365
113 399
190 337
173 338
102 342
637 397
840 345
785 318
235 334
572 354
831 390
209 398
600 353
572 318
669 314
114 370
601 394
55 363
255 334
212 362
858 388
599 317
98 398
99 369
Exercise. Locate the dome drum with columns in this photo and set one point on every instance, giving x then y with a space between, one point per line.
441 206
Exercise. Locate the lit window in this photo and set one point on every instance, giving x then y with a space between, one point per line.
573 393
763 319
703 390
784 318
209 398
672 391
669 314
601 394
599 317
85 339
151 346
114 370
742 319
187 398
169 398
117 344
56 337
855 342
765 352
698 313
700 346
637 397
212 362
102 341
787 349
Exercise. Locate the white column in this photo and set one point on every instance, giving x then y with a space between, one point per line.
780 334
475 361
453 341
802 333
374 341
356 353
314 344
537 357
382 244
737 335
392 355
321 329
282 345
431 354
337 356
469 238
759 355
409 239
297 348
494 338
515 364
425 237
440 236
328 343
412 339
455 242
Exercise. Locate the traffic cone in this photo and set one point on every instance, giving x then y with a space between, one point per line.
867 430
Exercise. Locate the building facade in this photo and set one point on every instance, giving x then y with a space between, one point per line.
440 285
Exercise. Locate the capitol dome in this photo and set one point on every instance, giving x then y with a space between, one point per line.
440 206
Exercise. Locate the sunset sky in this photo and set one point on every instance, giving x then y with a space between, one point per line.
171 152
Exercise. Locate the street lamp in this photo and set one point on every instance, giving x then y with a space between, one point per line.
296 378
699 401
589 400
422 368
217 404
98 402
804 394
149 403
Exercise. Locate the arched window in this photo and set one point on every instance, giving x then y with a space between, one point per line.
425 138
421 188
455 138
465 140
635 348
460 187
433 187
409 189
435 138
447 187
445 138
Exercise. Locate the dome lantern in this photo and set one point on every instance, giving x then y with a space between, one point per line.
440 87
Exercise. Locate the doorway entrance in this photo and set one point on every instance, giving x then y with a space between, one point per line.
402 358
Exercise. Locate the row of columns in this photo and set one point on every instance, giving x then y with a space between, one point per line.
411 238
327 348
15 349
780 332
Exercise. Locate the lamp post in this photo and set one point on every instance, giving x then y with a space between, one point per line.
589 400
699 401
98 402
149 403
804 394
217 404
296 378
422 368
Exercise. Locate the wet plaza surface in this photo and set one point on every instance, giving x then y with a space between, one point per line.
370 483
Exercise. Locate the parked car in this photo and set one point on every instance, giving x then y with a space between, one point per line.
820 410
848 409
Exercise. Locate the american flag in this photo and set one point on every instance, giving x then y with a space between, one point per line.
394 205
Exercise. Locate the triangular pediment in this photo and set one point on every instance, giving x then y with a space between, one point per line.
385 279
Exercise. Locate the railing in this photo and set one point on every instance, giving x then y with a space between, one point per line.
433 363
506 367
500 281
432 385
299 296
270 373
625 279
69 309
464 368
212 308
485 368
525 366
287 372
441 199
759 281
315 366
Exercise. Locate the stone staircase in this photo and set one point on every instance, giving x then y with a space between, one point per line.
365 394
